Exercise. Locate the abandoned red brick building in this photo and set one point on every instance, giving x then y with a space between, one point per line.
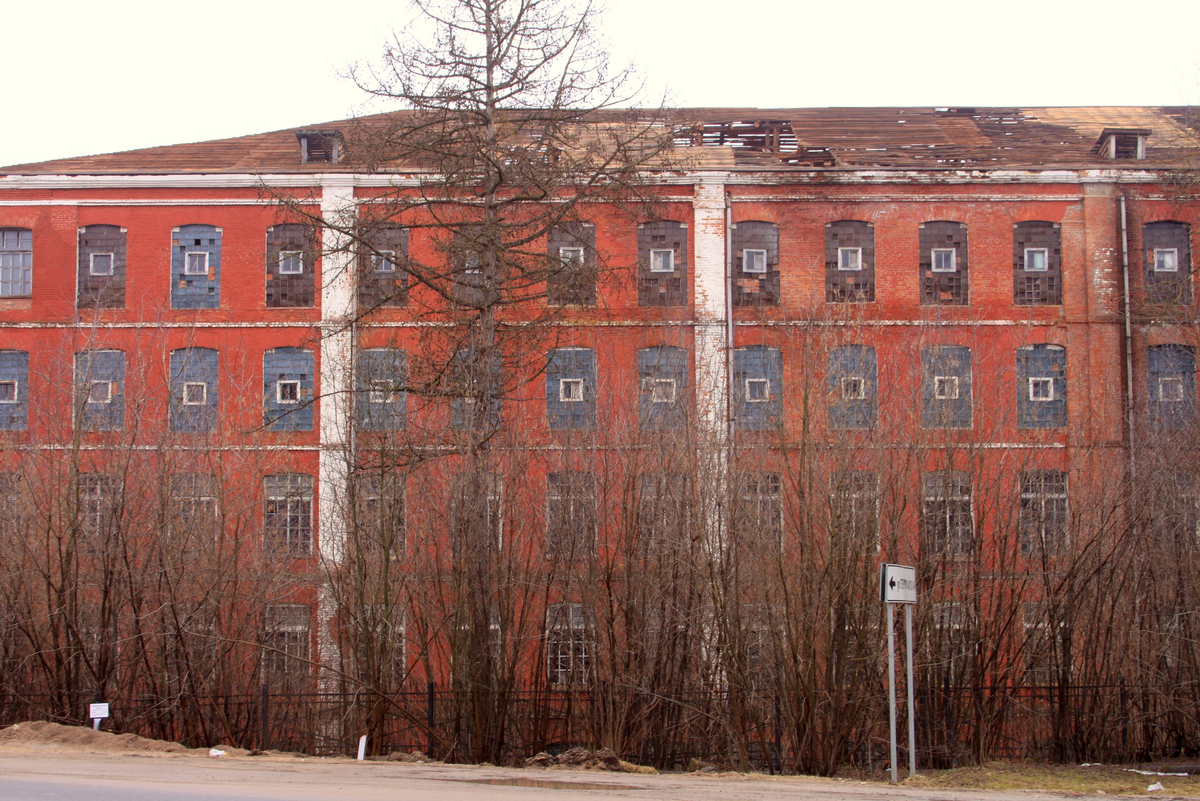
1001 294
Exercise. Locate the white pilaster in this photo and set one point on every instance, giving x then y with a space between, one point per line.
712 299
338 307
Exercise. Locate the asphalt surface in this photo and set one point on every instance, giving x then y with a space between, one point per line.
28 774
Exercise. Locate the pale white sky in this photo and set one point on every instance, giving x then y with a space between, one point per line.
83 78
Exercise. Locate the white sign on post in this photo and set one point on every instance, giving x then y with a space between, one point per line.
898 584
97 711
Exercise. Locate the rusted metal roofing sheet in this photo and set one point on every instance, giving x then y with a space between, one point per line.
807 139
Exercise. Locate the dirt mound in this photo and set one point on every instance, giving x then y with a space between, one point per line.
604 759
82 738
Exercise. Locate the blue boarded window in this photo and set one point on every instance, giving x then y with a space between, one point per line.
662 385
382 400
196 267
946 387
1171 379
194 394
288 389
853 386
757 388
571 389
100 390
14 390
1041 386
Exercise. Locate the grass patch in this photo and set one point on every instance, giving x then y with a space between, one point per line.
1106 779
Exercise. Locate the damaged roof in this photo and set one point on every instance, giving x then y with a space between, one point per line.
949 138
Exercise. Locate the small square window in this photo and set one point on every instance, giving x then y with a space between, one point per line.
287 391
100 392
101 264
570 390
195 262
945 260
1166 260
758 390
382 392
945 387
1170 390
291 262
849 258
570 256
1041 389
662 390
662 261
754 261
1037 260
8 391
853 388
471 265
384 261
195 393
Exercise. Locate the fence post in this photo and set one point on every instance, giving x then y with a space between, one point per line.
1124 719
778 738
431 718
266 698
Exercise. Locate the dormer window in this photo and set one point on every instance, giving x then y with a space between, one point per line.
317 147
1123 143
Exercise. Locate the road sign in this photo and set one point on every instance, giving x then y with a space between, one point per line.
97 711
897 584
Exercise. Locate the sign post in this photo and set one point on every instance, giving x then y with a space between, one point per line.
898 585
97 712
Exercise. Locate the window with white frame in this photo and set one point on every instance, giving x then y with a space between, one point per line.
1041 388
854 507
570 256
195 393
195 262
850 259
662 390
381 522
662 261
287 514
568 644
1043 510
291 262
1037 260
101 264
287 646
16 262
945 260
945 387
287 391
384 261
759 510
1166 260
570 514
758 390
754 261
8 391
100 392
477 512
947 517
96 493
570 390
853 387
1170 390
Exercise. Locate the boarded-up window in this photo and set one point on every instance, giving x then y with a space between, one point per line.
1171 380
946 387
755 264
662 388
757 388
100 390
382 376
1037 263
943 264
382 273
1041 386
662 264
571 255
571 389
196 267
291 266
288 389
853 385
1168 262
849 262
14 390
194 390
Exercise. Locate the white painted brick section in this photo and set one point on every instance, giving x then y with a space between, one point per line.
712 382
338 307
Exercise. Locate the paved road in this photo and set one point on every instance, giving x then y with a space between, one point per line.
29 775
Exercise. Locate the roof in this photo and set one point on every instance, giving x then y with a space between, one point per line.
760 139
